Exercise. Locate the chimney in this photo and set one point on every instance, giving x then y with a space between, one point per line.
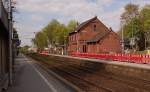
110 29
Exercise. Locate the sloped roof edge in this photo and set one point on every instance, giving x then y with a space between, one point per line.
83 25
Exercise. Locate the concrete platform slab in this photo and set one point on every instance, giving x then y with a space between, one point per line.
29 79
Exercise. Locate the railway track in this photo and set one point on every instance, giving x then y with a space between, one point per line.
125 82
131 83
98 80
83 85
89 78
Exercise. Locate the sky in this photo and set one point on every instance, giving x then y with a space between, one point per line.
33 15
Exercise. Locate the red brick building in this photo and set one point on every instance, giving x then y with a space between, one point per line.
92 36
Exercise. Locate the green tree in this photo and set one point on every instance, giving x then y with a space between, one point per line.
132 28
130 17
40 40
134 25
72 25
57 33
24 49
145 17
54 34
51 31
131 11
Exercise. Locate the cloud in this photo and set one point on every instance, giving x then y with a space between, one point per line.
37 18
58 5
35 14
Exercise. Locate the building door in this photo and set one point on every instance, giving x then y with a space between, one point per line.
84 49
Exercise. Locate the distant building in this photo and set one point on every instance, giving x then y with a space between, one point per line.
92 36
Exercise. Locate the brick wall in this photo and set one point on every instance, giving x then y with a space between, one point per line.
110 43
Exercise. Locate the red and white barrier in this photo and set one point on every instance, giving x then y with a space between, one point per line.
132 58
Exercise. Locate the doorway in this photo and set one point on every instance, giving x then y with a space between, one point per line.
84 49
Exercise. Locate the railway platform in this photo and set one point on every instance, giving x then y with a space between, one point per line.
29 78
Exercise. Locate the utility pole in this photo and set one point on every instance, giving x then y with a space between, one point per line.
122 24
10 41
77 38
132 28
145 40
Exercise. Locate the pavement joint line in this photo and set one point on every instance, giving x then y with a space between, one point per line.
45 80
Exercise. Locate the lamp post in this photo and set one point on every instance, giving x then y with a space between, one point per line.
122 35
77 38
10 41
34 33
65 45
146 38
